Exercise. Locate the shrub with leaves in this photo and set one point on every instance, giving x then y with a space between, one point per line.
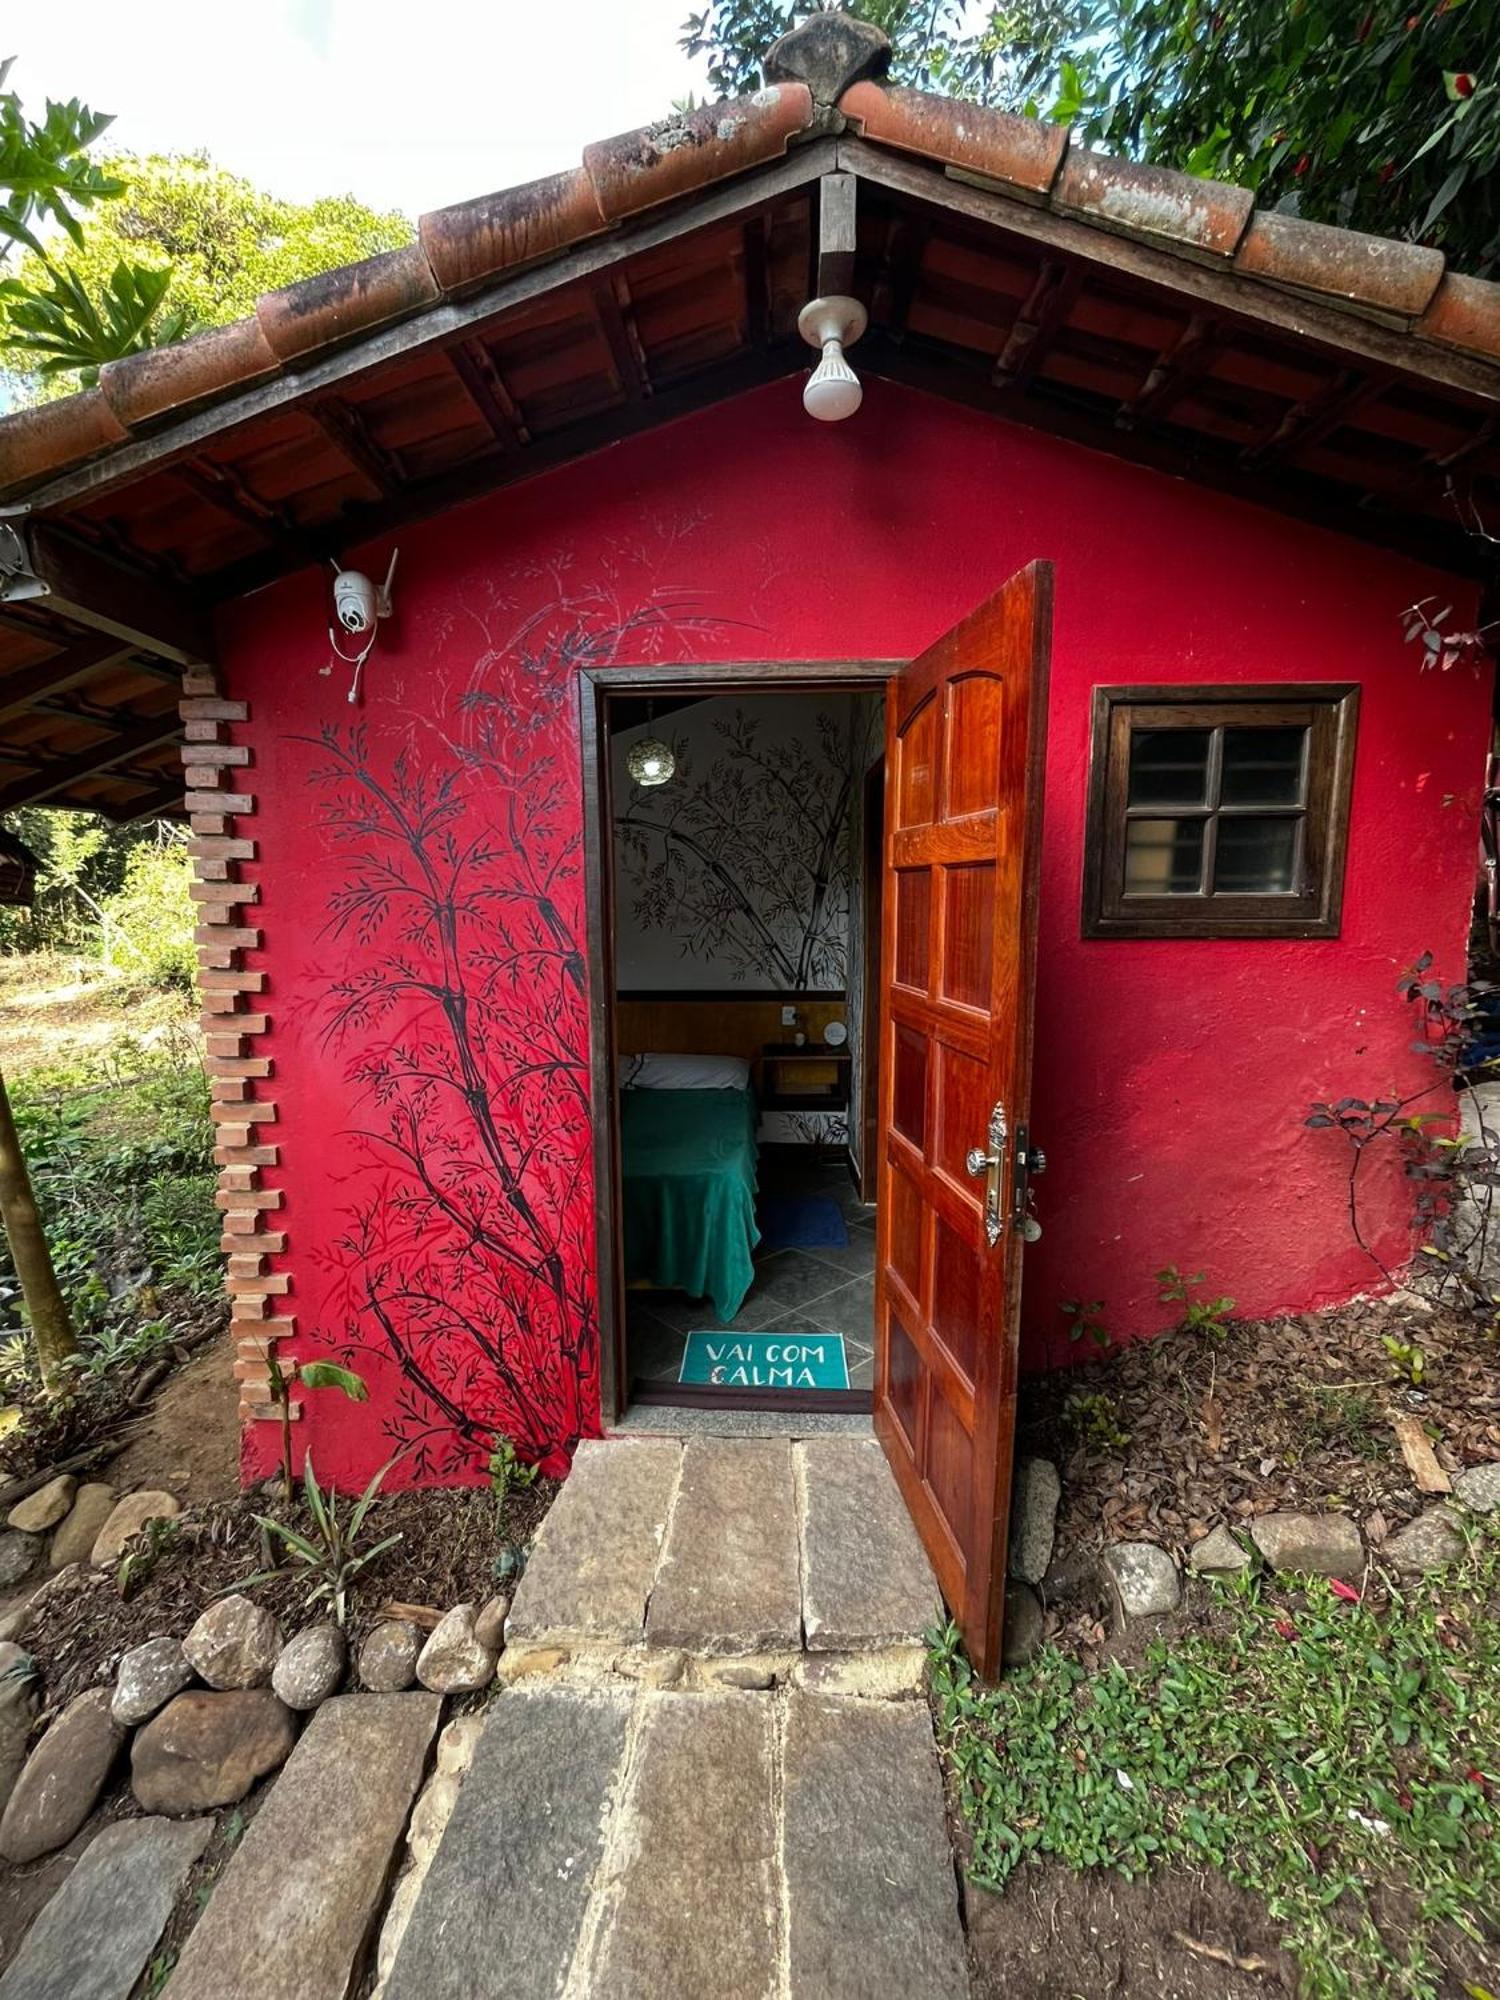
329 1552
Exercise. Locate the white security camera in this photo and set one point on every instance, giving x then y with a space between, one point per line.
358 605
354 601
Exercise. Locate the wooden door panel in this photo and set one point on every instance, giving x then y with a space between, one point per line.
964 738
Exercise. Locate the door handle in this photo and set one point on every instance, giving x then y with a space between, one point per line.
990 1161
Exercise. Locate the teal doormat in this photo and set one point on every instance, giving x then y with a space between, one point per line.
766 1360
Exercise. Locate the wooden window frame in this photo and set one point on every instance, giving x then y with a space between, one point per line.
1330 712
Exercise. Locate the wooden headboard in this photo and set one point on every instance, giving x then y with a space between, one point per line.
718 1024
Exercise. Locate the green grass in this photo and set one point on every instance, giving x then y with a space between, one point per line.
1310 1754
121 1159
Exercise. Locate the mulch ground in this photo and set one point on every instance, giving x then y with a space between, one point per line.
1055 1935
1285 1413
446 1555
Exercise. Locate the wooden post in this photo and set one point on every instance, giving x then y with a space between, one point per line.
51 1323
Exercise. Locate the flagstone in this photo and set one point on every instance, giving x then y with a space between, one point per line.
866 1581
729 1578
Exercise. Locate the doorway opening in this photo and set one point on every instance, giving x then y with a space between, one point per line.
734 839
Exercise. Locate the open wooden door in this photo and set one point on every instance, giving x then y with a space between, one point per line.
965 737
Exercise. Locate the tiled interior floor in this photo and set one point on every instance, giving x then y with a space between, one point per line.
795 1291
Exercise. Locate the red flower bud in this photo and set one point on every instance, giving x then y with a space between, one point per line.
1463 84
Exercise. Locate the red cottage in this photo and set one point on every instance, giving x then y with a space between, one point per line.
620 961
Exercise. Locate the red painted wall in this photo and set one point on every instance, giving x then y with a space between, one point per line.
1172 1078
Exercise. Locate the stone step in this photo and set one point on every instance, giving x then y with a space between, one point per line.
689 1899
590 1575
871 1893
730 1579
292 1913
94 1938
621 1843
866 1581
504 1901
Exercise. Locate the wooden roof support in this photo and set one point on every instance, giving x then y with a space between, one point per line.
617 324
900 272
224 489
1305 318
485 386
155 805
1052 296
1311 421
104 756
30 685
833 274
341 424
1172 372
93 589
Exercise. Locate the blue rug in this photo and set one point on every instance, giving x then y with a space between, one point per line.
801 1222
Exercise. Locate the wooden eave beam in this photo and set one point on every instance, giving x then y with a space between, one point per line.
226 491
29 686
89 588
155 805
493 472
1310 422
1248 301
458 319
966 382
49 779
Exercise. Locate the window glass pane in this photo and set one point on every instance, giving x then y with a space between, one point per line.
1255 857
1169 767
1163 857
1262 767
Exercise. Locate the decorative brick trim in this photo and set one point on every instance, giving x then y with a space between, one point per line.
219 801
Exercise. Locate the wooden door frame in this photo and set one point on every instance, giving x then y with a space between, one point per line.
869 1013
596 685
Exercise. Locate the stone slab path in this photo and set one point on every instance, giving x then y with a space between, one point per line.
640 1843
708 1771
711 1772
763 1548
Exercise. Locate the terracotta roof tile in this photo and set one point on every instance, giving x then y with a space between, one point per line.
1464 313
1374 272
336 305
473 243
1208 216
680 153
1023 152
476 240
161 379
56 435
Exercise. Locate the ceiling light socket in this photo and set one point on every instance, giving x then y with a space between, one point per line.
833 389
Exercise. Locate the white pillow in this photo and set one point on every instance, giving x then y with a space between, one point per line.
686 1073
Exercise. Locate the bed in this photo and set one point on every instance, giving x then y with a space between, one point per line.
687 1148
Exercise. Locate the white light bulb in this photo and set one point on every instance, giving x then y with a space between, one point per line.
833 389
651 762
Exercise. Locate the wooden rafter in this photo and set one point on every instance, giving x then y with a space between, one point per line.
616 320
28 686
473 364
1057 286
46 780
224 489
90 588
344 428
1171 374
1309 422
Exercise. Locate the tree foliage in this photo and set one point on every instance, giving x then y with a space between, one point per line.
203 240
1382 116
48 183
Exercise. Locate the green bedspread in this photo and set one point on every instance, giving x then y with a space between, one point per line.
689 1171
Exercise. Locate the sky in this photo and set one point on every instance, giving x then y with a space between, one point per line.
409 106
